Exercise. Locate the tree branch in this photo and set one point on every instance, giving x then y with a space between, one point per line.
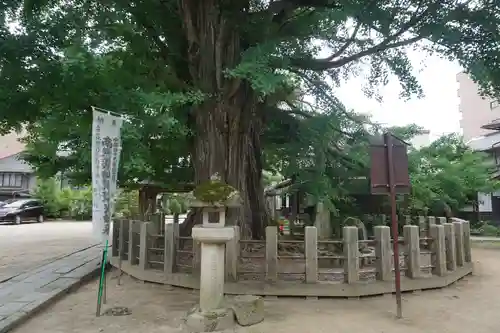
294 4
389 42
346 45
321 64
153 34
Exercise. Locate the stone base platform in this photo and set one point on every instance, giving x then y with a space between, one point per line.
293 289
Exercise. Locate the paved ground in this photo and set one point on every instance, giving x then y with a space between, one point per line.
24 294
470 305
38 262
27 246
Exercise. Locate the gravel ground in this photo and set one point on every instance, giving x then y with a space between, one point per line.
469 305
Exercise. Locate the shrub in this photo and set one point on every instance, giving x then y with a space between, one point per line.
47 191
489 230
127 203
81 204
175 207
77 203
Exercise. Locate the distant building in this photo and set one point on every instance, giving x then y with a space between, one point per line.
17 177
476 110
480 125
421 140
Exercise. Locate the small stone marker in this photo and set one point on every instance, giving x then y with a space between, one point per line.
118 311
248 309
209 321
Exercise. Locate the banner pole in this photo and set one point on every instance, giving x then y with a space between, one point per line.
104 279
101 280
106 148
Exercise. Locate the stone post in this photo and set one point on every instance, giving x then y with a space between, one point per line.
412 243
467 245
115 240
442 220
144 245
233 255
311 254
383 219
351 255
131 243
121 238
383 253
451 254
271 205
438 250
423 227
459 242
169 257
156 225
271 253
431 221
322 221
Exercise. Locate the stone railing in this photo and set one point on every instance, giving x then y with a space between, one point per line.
433 255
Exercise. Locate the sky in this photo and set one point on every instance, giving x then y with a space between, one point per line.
437 111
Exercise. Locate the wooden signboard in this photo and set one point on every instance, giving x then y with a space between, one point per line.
379 156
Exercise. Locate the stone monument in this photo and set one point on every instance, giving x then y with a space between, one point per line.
213 196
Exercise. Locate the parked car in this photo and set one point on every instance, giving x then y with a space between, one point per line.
17 211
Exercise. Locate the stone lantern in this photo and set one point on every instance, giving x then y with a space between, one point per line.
213 196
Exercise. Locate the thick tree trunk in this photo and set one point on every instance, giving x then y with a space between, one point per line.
227 125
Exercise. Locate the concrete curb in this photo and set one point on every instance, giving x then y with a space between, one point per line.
25 313
16 320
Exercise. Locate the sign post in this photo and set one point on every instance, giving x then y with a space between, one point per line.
389 175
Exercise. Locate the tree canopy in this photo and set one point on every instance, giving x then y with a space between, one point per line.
449 171
223 86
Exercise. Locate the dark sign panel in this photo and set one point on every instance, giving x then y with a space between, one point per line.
379 175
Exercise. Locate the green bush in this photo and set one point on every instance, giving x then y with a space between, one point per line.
489 230
81 204
77 203
47 191
174 207
172 203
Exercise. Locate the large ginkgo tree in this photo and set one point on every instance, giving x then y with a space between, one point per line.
221 86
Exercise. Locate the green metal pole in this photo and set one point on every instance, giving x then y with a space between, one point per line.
102 279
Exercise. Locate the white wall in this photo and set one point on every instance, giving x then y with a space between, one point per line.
484 200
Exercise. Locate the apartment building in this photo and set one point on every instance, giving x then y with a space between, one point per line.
476 110
480 125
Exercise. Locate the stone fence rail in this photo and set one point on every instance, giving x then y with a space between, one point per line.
432 255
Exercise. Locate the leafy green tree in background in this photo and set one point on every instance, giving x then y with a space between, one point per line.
450 172
64 202
175 207
127 203
219 85
47 191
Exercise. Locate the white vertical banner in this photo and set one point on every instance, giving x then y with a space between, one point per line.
106 148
